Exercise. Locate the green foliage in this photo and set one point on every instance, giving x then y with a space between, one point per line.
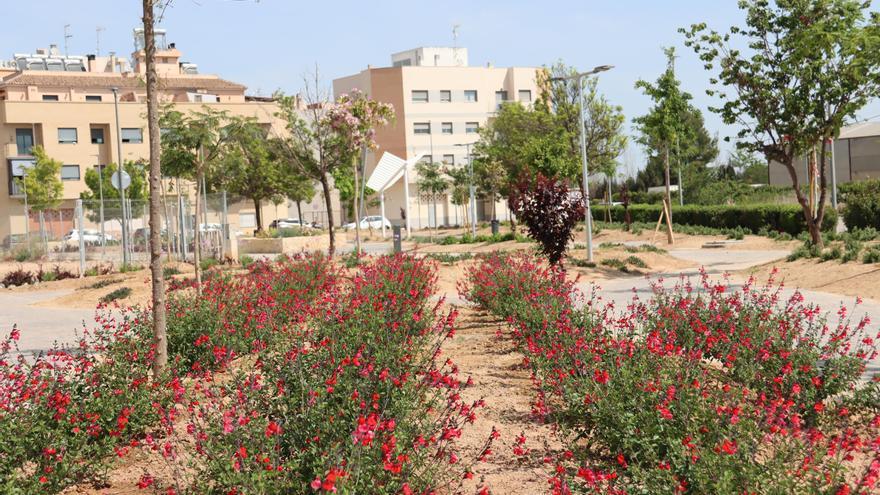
99 269
833 253
99 182
126 268
42 181
636 262
786 100
862 204
208 263
806 251
751 218
721 192
872 255
246 261
294 232
675 127
852 248
582 263
449 258
120 293
100 284
170 271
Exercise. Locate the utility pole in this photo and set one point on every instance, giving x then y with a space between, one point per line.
98 40
471 190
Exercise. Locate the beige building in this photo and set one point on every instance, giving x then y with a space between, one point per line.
440 104
66 105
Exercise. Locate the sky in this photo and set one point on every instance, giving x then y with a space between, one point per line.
273 44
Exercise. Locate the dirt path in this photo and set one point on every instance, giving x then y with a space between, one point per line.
499 377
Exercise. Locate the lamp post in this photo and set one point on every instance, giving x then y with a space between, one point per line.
472 190
126 259
579 80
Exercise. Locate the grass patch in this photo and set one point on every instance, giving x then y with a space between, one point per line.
616 264
449 258
636 262
582 263
130 267
170 271
207 263
120 293
872 255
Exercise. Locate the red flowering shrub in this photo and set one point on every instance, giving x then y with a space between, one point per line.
549 212
65 414
355 399
697 391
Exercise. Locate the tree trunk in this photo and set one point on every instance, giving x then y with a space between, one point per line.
160 343
258 212
299 212
197 248
357 213
668 194
813 227
329 203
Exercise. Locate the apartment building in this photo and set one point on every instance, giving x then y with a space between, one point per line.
66 105
440 103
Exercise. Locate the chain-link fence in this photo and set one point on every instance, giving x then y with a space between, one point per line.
113 232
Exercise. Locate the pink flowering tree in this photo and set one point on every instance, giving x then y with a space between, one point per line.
326 139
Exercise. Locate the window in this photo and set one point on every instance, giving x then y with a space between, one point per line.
97 135
67 135
246 220
93 98
446 128
449 159
470 95
472 128
50 97
24 139
500 96
70 172
132 135
427 159
525 95
16 170
422 128
420 96
445 95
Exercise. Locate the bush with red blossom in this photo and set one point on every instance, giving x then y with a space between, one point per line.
549 211
706 389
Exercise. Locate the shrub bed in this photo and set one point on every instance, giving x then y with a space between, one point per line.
862 204
754 218
700 390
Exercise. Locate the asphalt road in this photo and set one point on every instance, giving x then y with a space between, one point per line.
40 327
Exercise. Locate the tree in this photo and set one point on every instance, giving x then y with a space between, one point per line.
673 126
100 183
299 189
42 185
327 137
160 343
806 67
489 179
550 213
460 188
431 182
603 122
192 146
251 166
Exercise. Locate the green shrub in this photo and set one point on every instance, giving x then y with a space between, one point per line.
207 263
615 263
170 271
120 293
832 253
245 261
852 248
805 251
100 284
126 268
99 269
750 218
449 258
636 262
872 255
294 232
582 263
862 204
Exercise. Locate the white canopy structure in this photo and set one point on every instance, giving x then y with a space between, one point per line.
388 171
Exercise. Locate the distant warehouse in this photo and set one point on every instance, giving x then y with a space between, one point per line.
856 157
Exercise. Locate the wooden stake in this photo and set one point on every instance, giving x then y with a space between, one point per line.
659 221
666 209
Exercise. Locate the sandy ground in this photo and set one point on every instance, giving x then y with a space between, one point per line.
851 279
500 378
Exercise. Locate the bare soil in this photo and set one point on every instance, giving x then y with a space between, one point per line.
850 279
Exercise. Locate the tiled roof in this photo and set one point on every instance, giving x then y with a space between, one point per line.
37 78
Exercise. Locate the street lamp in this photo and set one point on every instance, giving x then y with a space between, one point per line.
471 188
578 79
126 257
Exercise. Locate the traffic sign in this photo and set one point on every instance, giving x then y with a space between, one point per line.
126 180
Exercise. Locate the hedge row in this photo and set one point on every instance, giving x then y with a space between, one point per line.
779 217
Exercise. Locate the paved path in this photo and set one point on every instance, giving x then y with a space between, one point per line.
40 327
620 291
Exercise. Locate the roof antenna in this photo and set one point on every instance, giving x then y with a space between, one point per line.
98 30
455 42
67 36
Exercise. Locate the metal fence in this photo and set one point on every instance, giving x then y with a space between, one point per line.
113 232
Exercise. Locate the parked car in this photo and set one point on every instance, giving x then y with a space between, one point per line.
210 227
288 223
370 222
90 236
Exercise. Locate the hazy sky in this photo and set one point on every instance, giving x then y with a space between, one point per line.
271 44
